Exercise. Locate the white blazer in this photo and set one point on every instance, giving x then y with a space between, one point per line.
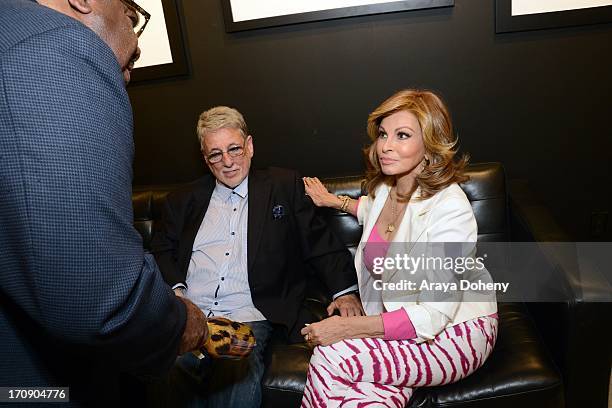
445 217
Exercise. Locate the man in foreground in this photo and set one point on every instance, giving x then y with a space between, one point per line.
79 300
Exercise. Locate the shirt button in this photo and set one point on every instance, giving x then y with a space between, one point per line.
222 278
233 233
227 254
234 209
216 303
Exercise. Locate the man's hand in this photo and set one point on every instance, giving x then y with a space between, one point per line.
180 292
348 305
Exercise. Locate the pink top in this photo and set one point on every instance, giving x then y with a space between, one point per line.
376 247
397 324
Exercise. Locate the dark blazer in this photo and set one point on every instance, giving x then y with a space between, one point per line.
79 299
281 250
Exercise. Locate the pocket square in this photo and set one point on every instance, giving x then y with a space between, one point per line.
278 212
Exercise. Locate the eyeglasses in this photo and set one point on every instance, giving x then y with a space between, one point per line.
233 151
141 17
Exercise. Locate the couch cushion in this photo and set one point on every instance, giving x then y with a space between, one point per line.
519 372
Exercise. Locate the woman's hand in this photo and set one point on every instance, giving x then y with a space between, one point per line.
326 332
337 328
319 194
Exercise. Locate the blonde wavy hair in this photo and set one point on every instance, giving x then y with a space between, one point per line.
441 169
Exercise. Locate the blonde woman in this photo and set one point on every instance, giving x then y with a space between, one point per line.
413 197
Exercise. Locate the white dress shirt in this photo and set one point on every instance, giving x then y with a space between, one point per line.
217 278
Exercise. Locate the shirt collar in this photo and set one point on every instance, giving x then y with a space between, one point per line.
241 189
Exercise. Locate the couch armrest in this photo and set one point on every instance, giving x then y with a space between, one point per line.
530 220
577 331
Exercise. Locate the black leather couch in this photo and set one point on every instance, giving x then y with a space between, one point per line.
520 372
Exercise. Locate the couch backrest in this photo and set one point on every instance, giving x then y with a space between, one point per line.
148 202
486 191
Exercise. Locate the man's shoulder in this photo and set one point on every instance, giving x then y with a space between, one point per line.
22 20
32 35
185 191
277 175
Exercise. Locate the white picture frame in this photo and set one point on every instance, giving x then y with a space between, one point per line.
249 14
525 15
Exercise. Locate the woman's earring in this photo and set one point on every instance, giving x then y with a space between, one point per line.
425 162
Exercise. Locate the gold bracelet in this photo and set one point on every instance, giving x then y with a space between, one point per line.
345 202
341 198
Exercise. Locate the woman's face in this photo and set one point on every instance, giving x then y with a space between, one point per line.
400 145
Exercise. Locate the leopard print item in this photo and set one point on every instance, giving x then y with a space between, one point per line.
229 339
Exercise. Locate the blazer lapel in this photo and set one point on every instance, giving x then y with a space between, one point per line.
409 232
413 223
197 210
259 198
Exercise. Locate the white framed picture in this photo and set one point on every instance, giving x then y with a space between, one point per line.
249 14
523 15
162 53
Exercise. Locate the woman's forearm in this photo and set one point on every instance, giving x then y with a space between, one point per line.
351 206
336 328
321 197
360 327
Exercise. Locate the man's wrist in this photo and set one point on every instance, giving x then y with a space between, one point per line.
195 331
352 292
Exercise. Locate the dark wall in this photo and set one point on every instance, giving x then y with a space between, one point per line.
539 102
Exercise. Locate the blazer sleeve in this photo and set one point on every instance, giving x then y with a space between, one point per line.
452 221
363 209
81 273
325 253
166 239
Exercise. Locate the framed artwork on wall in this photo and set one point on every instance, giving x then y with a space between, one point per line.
250 14
161 43
523 15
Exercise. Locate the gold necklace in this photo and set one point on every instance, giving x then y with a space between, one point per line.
391 226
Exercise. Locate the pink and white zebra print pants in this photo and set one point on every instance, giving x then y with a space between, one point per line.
376 372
